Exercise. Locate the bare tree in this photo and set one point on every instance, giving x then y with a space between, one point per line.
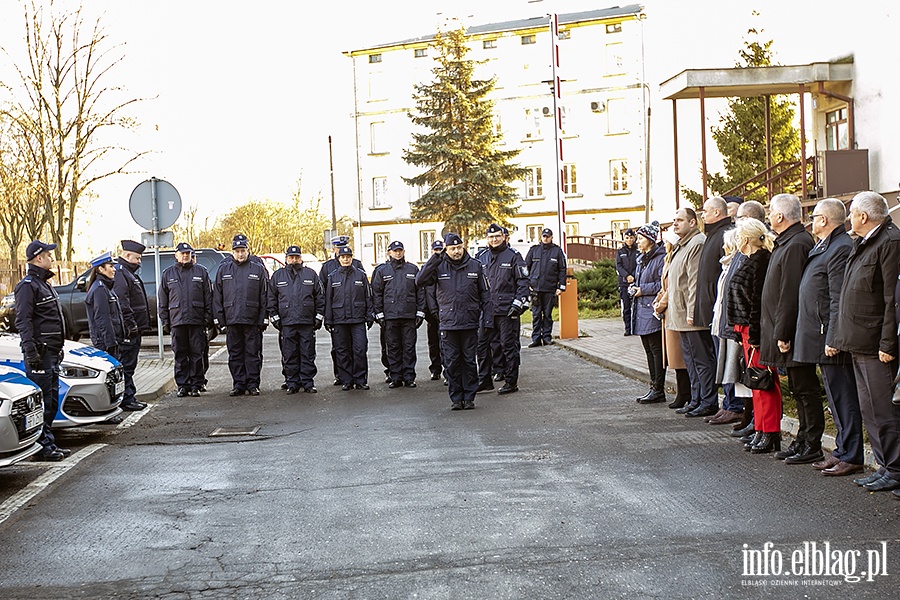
22 215
65 107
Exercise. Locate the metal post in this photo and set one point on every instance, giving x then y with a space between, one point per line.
703 138
557 127
675 152
155 218
331 172
803 144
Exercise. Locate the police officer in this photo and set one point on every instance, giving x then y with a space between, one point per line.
348 312
626 262
185 307
508 279
432 322
41 327
239 311
337 242
104 315
297 310
399 310
129 288
547 278
204 356
464 303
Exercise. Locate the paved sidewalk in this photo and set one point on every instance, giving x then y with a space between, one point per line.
153 378
602 342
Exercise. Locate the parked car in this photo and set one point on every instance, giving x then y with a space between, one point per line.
21 416
91 382
73 294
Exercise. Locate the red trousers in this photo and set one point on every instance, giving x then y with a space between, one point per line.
766 403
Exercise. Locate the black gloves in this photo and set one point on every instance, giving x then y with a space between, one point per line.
329 328
318 324
515 311
419 321
221 328
369 324
166 329
381 322
34 362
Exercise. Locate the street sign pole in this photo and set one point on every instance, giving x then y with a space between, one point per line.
155 216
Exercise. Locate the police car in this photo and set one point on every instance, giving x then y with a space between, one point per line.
91 382
21 416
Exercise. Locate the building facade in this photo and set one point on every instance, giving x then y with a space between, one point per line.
604 127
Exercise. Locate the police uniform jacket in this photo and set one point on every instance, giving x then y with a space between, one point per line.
508 278
239 294
868 322
348 297
431 303
104 314
546 268
332 264
39 318
132 296
626 263
185 296
395 293
296 296
463 294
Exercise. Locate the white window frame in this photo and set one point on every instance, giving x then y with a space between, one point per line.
426 238
533 118
533 233
534 182
380 193
569 179
382 241
618 176
376 132
615 59
617 227
616 123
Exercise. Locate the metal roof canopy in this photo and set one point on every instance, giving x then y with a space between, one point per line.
753 81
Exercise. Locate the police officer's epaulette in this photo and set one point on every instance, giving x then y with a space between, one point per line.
27 278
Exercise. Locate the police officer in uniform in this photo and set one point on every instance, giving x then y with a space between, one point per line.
337 242
348 312
185 307
297 310
129 288
464 303
239 311
41 327
435 366
626 263
507 276
104 315
204 356
399 310
547 277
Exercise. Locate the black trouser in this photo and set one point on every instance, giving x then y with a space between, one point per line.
129 351
382 339
626 308
298 352
875 385
350 347
400 339
434 344
506 329
542 316
47 378
459 347
700 359
843 398
204 358
807 392
188 345
244 344
653 348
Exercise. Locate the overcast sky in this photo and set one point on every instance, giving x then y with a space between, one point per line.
242 96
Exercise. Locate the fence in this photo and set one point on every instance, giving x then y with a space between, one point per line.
583 249
9 276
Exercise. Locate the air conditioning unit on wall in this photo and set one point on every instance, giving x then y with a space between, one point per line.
598 107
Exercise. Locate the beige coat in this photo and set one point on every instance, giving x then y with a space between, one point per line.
672 356
683 281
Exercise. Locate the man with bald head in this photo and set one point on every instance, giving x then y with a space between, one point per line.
867 329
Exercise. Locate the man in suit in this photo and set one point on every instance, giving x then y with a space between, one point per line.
867 329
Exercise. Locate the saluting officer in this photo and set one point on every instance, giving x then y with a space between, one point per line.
135 310
337 242
104 315
432 321
297 310
508 280
464 303
239 311
41 327
185 307
546 264
399 310
348 312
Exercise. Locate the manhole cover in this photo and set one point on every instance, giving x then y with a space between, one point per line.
224 431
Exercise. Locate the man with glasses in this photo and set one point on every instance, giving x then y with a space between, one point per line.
546 264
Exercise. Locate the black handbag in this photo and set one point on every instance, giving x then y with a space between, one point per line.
757 378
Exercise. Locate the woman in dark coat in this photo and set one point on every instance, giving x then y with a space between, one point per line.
103 311
744 311
644 320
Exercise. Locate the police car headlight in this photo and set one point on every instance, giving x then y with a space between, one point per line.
77 372
8 301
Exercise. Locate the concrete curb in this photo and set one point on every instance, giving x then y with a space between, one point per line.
153 379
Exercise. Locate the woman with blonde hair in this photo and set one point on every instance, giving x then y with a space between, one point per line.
744 307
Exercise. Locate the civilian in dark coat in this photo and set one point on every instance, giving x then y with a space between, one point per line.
645 322
867 328
780 304
820 292
626 263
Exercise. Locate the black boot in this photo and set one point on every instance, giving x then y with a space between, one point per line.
747 416
682 389
652 397
743 432
756 437
769 442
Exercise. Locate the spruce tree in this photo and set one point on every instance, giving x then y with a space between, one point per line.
468 178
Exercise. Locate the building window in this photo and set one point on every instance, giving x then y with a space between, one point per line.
533 233
489 44
376 131
374 58
420 52
563 113
528 39
618 227
426 238
564 34
618 176
616 115
615 63
379 192
534 183
377 88
614 28
569 182
837 131
382 241
533 123
571 229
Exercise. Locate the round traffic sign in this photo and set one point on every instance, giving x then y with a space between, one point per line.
155 204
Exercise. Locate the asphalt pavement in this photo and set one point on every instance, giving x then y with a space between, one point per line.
567 489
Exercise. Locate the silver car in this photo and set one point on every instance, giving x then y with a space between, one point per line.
21 416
